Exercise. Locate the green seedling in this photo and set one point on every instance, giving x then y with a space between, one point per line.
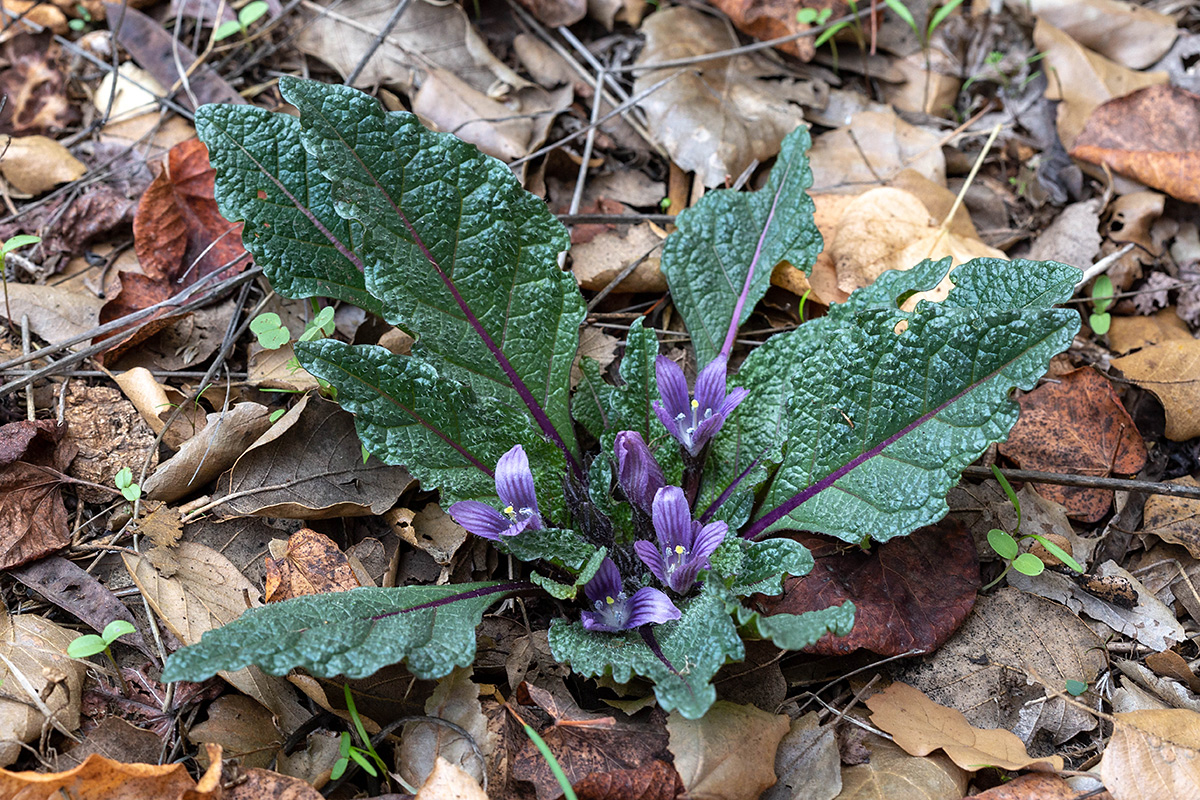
1008 547
250 13
363 756
11 244
1076 688
270 331
91 644
664 204
83 21
320 326
1102 297
124 481
810 16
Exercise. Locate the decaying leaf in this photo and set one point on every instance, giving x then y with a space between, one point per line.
1153 754
99 778
212 451
308 563
33 165
425 744
109 433
920 726
1134 333
1130 34
33 518
1152 135
716 118
448 781
1171 370
243 728
729 753
1076 424
766 19
891 772
807 762
1174 519
873 148
34 82
39 685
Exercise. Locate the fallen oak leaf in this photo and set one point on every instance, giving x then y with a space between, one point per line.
920 726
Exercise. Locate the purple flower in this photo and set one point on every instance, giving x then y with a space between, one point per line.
514 486
638 473
694 422
616 612
684 545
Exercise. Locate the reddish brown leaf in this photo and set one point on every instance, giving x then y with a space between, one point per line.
35 86
33 519
770 19
179 236
98 211
1076 425
655 780
910 593
1152 135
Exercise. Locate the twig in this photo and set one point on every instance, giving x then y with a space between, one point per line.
1101 266
1090 482
384 32
588 143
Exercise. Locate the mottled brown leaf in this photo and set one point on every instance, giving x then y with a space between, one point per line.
911 593
1076 425
35 85
1152 135
770 19
33 519
310 564
655 780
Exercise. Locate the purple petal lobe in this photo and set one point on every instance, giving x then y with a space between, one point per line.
735 398
652 558
605 584
672 386
638 473
481 519
650 605
710 385
514 480
672 518
708 540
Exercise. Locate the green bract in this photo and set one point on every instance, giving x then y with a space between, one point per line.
856 424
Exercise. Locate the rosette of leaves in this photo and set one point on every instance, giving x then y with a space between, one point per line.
855 424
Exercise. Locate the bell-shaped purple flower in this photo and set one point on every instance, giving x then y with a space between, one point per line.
514 486
694 421
616 612
638 474
684 545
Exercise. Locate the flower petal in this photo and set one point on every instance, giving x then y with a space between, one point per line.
707 429
708 540
597 621
672 387
638 473
669 422
605 583
651 556
514 480
710 385
481 519
672 518
649 605
736 395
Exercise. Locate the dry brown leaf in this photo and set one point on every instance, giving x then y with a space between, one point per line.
1132 333
807 762
1171 370
426 744
39 684
243 728
1153 754
771 19
892 773
823 278
1129 34
1170 664
718 117
553 13
920 726
55 314
429 34
1083 79
874 148
448 782
194 589
1072 238
307 563
596 262
33 165
209 453
33 518
1174 519
1033 786
258 784
729 753
110 435
888 228
1151 135
156 402
99 778
35 11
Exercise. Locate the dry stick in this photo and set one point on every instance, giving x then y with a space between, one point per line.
617 89
588 143
30 408
622 275
384 32
615 219
1101 266
1090 482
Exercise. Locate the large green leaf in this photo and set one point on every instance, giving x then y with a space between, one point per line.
353 633
797 631
265 177
408 413
719 261
453 247
884 418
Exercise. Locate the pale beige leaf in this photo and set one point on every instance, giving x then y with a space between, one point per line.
1175 519
892 774
1171 370
1128 33
1153 754
873 148
425 744
807 762
209 453
448 782
55 313
920 726
36 164
729 753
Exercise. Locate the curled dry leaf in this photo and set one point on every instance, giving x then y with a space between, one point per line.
1153 754
1171 370
103 777
308 563
1151 135
1130 34
209 453
33 518
771 19
718 117
1174 519
1076 424
425 744
729 753
39 685
920 726
33 165
261 783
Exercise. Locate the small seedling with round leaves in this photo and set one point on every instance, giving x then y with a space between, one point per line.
1102 297
1076 688
124 481
321 325
270 331
250 14
1007 546
90 644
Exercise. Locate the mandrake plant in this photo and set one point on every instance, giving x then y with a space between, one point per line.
651 540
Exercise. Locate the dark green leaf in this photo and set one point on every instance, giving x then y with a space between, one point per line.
797 631
765 565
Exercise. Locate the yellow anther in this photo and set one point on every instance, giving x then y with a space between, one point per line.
508 510
695 404
609 600
680 549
